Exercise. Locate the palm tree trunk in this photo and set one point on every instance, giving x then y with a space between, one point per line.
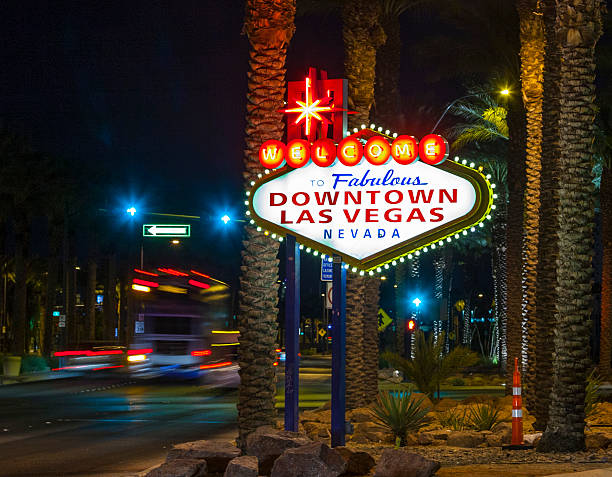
578 27
387 107
269 26
355 319
401 271
548 253
514 234
532 67
605 346
362 35
370 341
51 295
499 267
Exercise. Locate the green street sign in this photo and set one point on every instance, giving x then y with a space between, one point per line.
166 230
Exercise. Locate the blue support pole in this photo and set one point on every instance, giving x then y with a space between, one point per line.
292 330
338 404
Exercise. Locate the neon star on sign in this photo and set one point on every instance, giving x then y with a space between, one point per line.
308 109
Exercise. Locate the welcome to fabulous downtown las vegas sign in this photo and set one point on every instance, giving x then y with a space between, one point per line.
370 197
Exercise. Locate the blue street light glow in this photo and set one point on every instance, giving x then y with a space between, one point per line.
417 302
131 211
225 219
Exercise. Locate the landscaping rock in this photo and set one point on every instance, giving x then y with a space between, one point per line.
361 414
311 460
217 454
445 404
267 444
495 440
465 439
596 441
244 466
532 439
436 438
357 462
504 430
180 468
398 463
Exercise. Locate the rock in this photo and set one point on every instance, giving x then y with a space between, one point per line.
310 460
267 444
361 414
494 440
180 468
357 462
596 441
426 401
399 463
445 404
532 439
217 454
425 438
504 429
244 466
467 439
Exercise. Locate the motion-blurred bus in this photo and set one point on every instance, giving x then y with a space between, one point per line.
182 325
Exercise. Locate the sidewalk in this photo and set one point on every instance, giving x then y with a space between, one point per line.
32 377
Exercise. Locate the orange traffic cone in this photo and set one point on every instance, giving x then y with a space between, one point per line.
517 407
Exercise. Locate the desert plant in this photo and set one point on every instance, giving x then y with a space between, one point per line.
457 381
483 417
591 398
400 412
430 366
454 419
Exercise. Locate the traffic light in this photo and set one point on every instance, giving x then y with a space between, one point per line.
411 326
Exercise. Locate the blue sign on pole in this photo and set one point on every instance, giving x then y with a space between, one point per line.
326 270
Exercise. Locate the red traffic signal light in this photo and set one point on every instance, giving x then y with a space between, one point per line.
411 325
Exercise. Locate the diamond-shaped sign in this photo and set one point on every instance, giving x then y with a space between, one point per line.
369 214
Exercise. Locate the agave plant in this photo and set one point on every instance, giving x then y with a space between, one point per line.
591 398
483 417
454 419
400 412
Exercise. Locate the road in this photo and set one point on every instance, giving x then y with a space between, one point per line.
105 426
112 425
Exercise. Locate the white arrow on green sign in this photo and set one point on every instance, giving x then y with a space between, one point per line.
166 230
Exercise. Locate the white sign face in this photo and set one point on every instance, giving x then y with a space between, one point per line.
363 211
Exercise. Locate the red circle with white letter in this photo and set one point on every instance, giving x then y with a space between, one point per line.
405 150
433 149
272 154
323 152
377 151
350 151
298 153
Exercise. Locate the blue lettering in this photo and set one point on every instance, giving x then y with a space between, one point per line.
354 232
339 178
381 233
327 234
340 233
367 234
395 234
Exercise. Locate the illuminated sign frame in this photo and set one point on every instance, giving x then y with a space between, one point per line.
431 238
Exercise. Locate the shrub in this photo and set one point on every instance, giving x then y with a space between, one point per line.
400 412
430 366
33 364
591 398
457 382
454 419
483 417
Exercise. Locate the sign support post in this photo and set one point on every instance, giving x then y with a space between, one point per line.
292 330
338 404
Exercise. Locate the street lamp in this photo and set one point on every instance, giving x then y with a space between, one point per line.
225 219
417 302
131 211
504 92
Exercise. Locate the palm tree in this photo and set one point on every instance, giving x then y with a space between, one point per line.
578 27
269 27
532 68
548 249
605 197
